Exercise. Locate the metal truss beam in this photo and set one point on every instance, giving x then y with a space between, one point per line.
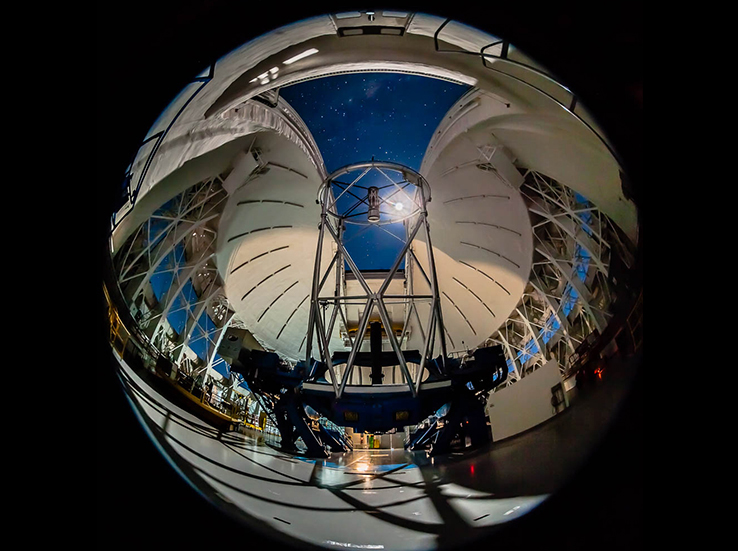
219 340
170 297
554 308
584 294
181 216
510 355
162 254
533 334
191 215
193 319
568 224
413 224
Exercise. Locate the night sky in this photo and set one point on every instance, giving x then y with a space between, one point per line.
388 116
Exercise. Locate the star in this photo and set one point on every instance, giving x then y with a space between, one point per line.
380 122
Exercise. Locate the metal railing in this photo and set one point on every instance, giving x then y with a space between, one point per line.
505 45
127 344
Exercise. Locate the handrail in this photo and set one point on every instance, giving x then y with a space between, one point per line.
117 326
504 57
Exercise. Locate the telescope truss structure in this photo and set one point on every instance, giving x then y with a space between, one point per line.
412 188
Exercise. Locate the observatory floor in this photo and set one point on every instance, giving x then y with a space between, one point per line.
370 499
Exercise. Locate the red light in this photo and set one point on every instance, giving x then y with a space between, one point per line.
471 469
598 371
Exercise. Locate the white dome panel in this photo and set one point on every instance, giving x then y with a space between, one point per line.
482 245
268 238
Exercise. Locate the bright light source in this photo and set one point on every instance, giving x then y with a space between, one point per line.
303 55
274 70
398 206
362 467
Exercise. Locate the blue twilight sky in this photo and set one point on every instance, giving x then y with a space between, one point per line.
388 116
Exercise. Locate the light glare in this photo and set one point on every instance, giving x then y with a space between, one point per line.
303 55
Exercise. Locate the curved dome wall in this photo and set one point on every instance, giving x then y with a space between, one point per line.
482 241
267 240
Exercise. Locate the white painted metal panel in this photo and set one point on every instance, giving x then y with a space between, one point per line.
482 241
525 404
267 242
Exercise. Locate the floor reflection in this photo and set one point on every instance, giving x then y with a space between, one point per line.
364 499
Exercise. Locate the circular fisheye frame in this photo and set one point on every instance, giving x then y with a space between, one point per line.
373 283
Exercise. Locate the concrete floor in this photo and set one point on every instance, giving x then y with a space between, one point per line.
367 499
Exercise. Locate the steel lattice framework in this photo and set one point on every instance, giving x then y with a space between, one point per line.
333 222
569 291
167 273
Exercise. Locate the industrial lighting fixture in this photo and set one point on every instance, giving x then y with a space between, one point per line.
303 55
394 13
263 77
347 15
